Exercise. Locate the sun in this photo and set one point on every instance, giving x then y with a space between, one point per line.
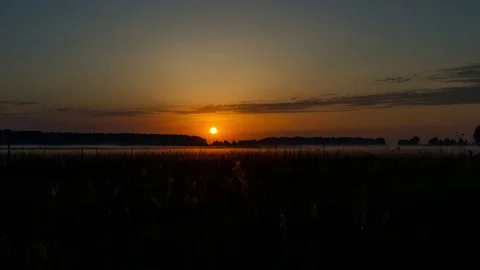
213 130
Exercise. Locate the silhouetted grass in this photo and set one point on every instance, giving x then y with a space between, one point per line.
294 209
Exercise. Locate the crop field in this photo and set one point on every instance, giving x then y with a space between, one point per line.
238 209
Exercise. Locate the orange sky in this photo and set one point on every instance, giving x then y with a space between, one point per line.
251 69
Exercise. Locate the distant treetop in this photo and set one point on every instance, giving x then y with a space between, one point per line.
413 141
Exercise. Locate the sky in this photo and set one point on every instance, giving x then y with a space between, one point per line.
253 69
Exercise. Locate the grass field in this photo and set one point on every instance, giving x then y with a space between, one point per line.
255 210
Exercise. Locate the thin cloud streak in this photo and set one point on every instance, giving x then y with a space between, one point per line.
347 103
445 96
19 103
475 67
100 113
464 75
467 92
395 79
465 81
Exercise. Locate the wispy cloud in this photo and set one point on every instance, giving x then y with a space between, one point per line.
464 75
10 108
100 113
15 115
332 103
461 86
62 109
468 69
445 96
473 81
395 80
19 103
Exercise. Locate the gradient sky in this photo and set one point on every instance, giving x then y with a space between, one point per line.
251 68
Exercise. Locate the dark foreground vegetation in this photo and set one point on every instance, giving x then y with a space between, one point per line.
297 210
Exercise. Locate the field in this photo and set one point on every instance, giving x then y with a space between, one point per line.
255 210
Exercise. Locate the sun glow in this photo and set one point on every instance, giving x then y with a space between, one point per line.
213 130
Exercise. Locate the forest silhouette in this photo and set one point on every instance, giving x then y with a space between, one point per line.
10 137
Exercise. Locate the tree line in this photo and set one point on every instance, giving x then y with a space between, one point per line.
459 140
9 137
291 141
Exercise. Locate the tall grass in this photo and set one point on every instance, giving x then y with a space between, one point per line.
273 209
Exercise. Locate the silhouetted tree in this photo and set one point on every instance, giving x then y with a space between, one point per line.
413 141
446 141
476 135
434 141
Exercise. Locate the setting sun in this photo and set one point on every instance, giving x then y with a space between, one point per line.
213 130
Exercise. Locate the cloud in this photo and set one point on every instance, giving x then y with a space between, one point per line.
24 103
461 86
462 69
127 113
10 108
395 79
465 81
19 103
327 103
15 115
100 113
465 75
62 109
444 96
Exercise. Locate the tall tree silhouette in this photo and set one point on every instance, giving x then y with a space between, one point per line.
476 135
